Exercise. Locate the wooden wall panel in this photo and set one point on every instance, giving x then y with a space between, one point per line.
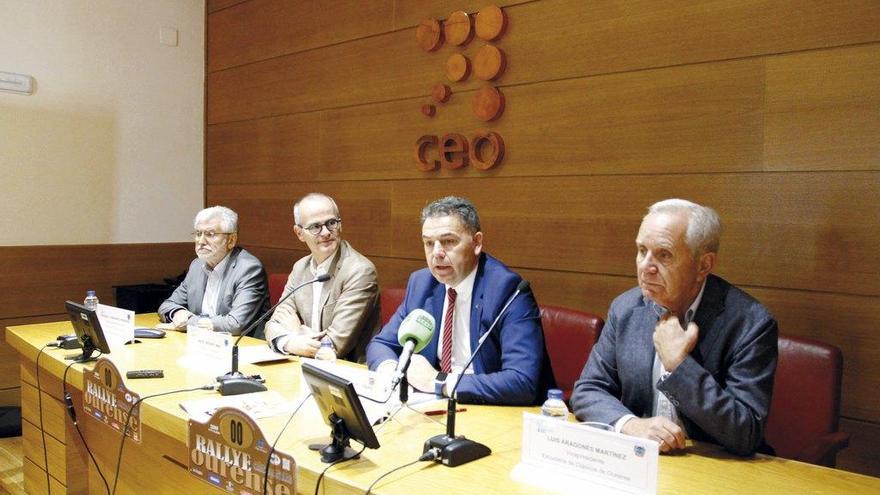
38 279
282 30
861 455
823 110
643 36
216 5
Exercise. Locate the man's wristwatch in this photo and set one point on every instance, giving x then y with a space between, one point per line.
439 381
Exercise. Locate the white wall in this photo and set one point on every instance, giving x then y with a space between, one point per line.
109 149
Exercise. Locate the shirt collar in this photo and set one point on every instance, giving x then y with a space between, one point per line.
465 288
323 266
692 310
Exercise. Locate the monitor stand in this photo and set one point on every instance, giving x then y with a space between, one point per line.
338 449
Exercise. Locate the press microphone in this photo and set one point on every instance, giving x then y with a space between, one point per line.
234 382
414 334
448 449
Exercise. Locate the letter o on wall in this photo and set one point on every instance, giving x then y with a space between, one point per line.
453 151
480 142
422 144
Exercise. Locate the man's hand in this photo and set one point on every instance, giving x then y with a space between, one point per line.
421 374
659 429
673 343
304 345
179 319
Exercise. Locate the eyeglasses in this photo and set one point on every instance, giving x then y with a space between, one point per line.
332 226
210 235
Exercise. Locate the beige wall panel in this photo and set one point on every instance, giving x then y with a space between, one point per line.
32 448
36 283
275 149
365 207
803 231
262 29
35 480
823 110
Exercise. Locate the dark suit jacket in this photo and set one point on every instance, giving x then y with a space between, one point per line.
722 390
244 293
512 367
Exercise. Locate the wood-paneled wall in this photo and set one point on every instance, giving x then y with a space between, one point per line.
36 280
768 111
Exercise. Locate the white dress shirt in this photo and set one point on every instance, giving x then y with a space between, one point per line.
212 288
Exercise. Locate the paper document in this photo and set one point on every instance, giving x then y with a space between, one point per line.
259 405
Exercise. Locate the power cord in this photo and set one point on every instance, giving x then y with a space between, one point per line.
68 402
337 461
128 423
430 455
40 412
278 437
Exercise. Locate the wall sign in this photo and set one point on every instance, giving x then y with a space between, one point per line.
485 149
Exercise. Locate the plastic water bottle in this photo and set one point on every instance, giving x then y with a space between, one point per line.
326 352
91 300
554 407
205 324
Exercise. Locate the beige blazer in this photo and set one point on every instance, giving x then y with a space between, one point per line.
350 306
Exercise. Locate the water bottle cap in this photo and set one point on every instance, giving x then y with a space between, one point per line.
554 393
90 293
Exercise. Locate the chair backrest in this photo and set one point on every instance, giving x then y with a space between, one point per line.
569 335
389 300
277 281
806 396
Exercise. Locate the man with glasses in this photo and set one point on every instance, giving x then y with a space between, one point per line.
224 282
345 308
465 289
685 353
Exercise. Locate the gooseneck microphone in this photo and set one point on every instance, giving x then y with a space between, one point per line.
235 382
414 334
448 449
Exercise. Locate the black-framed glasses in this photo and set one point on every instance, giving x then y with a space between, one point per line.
315 228
210 235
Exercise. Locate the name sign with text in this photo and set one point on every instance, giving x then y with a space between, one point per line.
608 461
108 401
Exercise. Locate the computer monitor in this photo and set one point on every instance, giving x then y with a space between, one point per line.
342 411
88 331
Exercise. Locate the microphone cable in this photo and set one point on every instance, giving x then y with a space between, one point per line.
278 437
128 422
430 455
68 403
40 413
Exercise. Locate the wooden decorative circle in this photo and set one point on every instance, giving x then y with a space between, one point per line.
458 28
441 93
457 67
429 110
488 103
429 35
489 62
490 23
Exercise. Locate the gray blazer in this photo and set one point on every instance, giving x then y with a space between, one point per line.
349 306
722 390
244 294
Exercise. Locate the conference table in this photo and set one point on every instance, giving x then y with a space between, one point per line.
158 464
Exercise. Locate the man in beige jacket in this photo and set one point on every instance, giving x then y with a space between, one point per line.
345 308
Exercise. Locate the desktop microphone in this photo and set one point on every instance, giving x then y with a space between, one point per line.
448 449
414 334
234 382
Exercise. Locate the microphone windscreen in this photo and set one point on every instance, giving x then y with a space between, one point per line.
523 286
417 326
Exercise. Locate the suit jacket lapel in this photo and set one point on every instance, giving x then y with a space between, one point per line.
477 314
643 359
711 306
225 285
197 290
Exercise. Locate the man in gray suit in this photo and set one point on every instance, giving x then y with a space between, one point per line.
225 282
344 308
685 353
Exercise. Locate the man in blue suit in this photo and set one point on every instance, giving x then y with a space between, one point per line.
685 353
465 289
